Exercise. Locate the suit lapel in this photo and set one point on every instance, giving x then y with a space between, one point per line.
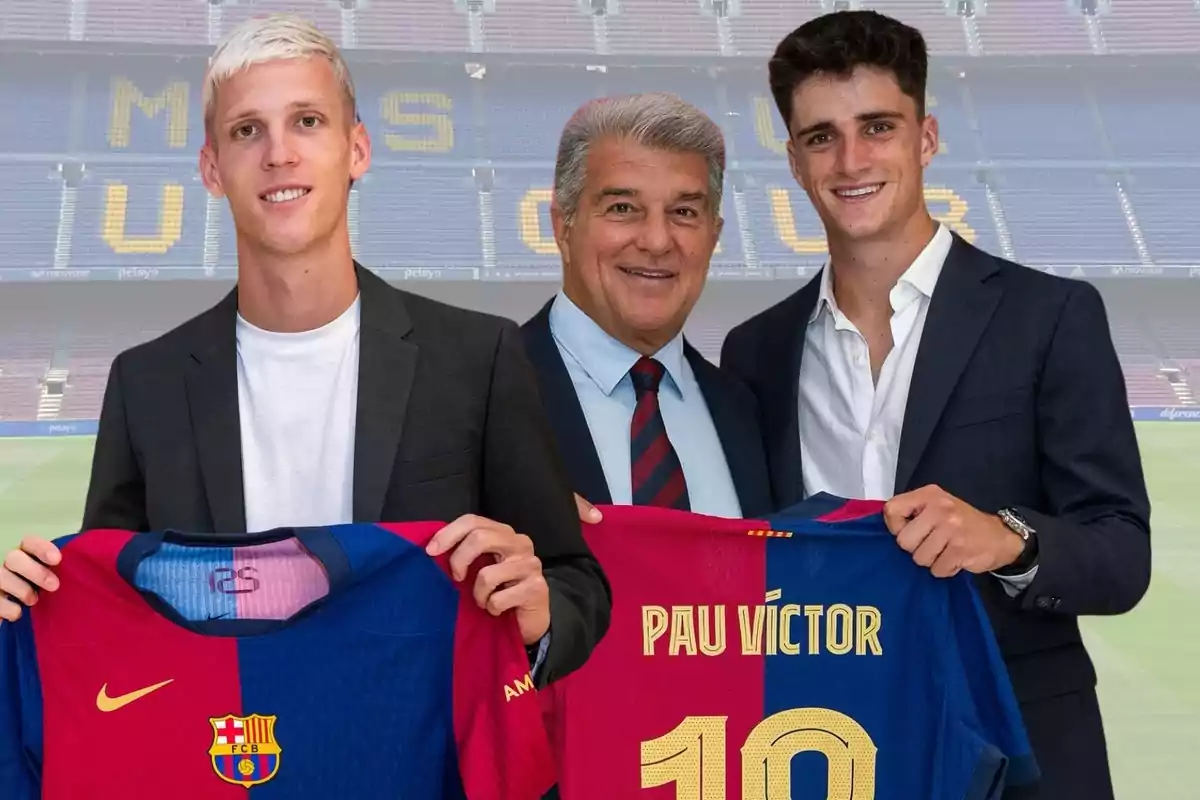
736 432
960 310
563 409
386 369
211 380
782 409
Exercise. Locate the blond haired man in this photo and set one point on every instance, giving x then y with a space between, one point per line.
317 394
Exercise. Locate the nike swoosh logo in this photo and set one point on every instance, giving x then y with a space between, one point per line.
106 703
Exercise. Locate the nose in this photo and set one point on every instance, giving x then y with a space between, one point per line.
853 155
654 235
279 150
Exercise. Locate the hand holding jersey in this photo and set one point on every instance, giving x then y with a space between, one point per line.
948 535
515 581
24 572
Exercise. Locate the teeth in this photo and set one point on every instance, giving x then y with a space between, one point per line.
643 273
860 192
284 195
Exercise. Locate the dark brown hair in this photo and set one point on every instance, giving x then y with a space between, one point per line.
835 44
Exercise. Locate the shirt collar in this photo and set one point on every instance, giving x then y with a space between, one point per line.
917 281
606 360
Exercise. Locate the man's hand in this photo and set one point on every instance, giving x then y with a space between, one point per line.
948 535
21 575
515 581
587 511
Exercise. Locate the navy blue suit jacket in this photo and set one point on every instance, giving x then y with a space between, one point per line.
731 405
1017 399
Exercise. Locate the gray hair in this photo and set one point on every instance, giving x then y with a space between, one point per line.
656 120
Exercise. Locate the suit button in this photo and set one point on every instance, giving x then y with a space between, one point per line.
1044 602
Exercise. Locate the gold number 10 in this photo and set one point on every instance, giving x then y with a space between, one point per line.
692 756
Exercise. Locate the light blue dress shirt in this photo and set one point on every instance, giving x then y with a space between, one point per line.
599 368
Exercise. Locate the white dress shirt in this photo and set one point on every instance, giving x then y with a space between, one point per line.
850 426
599 368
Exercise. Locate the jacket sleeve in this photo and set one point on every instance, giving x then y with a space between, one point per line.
1094 539
525 485
116 495
20 714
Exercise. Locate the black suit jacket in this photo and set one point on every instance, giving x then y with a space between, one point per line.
448 423
1017 398
731 405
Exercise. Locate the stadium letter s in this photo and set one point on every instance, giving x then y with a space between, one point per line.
440 125
170 221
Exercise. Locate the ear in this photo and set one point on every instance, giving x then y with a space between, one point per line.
360 151
720 226
930 139
208 170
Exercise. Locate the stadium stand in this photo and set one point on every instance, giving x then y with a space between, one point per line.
1167 202
1151 26
661 26
1006 28
1065 217
429 25
1054 166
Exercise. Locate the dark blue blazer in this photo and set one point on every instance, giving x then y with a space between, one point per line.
731 405
1017 399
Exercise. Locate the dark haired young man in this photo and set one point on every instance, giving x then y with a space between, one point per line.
984 400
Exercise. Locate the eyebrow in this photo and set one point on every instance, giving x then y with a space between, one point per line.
618 191
869 116
298 105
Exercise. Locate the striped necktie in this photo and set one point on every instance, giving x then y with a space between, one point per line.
656 471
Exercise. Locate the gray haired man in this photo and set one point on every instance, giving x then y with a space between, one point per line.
637 215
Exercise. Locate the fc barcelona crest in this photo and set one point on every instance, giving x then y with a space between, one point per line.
244 750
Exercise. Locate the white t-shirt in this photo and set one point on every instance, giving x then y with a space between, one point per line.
297 397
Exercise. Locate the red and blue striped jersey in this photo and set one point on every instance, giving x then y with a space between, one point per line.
305 663
804 655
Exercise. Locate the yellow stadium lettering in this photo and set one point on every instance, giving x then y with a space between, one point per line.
529 217
785 225
955 213
439 125
170 221
692 756
764 125
173 100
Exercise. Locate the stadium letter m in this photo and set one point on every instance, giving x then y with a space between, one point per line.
173 100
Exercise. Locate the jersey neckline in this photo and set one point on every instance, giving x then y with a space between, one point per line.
320 543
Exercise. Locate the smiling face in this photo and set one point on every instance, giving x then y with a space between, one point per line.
283 149
858 148
636 255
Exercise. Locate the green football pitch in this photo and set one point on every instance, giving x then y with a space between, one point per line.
1149 681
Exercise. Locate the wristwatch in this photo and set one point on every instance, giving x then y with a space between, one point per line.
1016 523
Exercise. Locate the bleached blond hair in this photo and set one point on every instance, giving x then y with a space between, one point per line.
274 37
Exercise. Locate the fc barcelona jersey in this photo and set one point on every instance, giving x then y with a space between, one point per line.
336 662
800 657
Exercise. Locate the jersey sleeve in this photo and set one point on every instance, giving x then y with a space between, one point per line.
1005 757
20 712
503 750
